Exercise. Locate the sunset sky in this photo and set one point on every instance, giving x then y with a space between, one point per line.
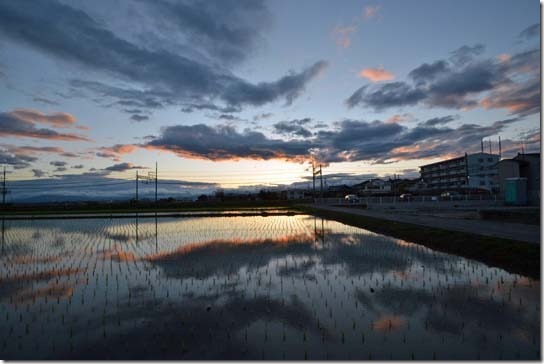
248 92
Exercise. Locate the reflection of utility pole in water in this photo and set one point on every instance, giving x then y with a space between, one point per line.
3 236
319 234
136 228
156 235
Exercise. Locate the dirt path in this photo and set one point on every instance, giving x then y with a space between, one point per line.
514 231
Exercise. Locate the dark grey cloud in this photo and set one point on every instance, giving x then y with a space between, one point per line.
288 87
428 72
466 53
78 166
121 167
387 95
349 140
72 35
225 30
440 120
291 128
43 100
38 173
512 84
17 161
530 32
225 142
58 163
138 117
262 116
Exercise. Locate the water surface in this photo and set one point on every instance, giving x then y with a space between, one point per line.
276 287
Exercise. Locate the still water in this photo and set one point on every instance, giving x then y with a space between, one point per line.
276 287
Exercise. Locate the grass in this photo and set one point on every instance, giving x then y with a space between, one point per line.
513 256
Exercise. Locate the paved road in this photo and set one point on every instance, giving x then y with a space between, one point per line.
520 232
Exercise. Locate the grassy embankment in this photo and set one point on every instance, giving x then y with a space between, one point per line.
513 256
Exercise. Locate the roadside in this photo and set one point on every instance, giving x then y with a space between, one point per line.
512 254
455 221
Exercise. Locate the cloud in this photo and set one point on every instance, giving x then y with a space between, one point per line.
31 150
376 74
342 35
122 167
159 75
387 95
114 152
45 101
371 11
137 117
288 87
348 141
223 142
530 32
17 161
428 72
58 163
466 53
78 166
400 118
20 124
225 30
58 120
291 128
38 173
464 83
262 116
440 120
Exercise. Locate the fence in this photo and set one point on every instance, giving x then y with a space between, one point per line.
415 200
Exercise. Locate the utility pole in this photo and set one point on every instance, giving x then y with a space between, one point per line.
4 188
482 145
321 179
156 168
315 173
136 186
313 179
500 149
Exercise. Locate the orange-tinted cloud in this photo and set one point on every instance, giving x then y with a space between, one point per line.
342 35
514 106
58 120
22 123
376 74
399 118
116 151
371 11
504 57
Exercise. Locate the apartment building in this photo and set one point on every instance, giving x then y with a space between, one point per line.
478 170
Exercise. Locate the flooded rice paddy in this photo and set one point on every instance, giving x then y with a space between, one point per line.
276 287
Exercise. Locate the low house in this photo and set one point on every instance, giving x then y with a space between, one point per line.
375 186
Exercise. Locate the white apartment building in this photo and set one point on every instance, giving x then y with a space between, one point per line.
478 170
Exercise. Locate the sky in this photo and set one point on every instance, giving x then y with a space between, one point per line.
230 93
